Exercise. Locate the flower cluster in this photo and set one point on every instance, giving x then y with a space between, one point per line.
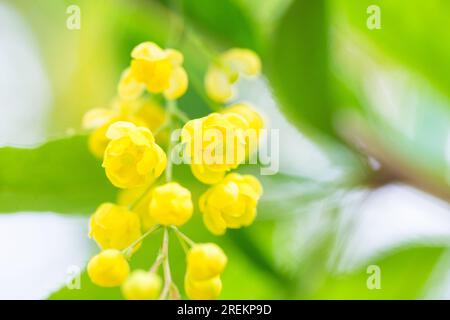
127 137
205 264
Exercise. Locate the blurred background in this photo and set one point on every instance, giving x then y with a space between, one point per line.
363 110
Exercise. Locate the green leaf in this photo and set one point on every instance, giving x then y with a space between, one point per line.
224 20
60 176
423 50
404 274
299 68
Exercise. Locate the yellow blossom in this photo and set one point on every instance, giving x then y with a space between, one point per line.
255 124
171 204
109 268
205 261
215 144
129 88
99 119
202 290
114 227
142 285
159 70
224 72
132 158
231 203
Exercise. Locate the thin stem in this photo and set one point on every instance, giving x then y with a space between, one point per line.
166 265
183 236
157 263
127 250
181 115
182 243
140 198
174 292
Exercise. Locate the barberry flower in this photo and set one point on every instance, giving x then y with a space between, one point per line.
171 204
132 158
114 227
230 203
202 290
227 69
128 197
109 268
141 112
160 71
129 88
255 124
215 144
142 285
205 261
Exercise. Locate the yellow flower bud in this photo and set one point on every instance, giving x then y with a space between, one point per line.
171 204
218 85
132 158
159 70
202 290
100 119
221 76
255 124
109 268
215 144
114 227
129 88
231 203
142 285
242 61
178 84
205 261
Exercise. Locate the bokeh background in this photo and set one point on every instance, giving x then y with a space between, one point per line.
364 120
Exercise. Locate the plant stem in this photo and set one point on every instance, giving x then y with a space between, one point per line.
166 265
185 238
127 250
157 263
140 198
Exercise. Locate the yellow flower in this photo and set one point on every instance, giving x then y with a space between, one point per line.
129 88
159 70
202 290
231 203
205 261
222 75
99 119
255 124
109 268
114 227
142 285
128 196
171 204
132 158
215 144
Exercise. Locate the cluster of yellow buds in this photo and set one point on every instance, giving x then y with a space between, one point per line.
205 264
124 138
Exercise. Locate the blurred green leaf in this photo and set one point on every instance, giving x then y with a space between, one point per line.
404 273
224 20
298 65
60 176
413 34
